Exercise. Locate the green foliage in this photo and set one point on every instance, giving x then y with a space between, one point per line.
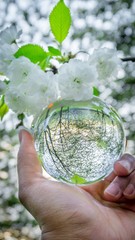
77 179
3 108
35 53
54 51
96 92
60 21
45 63
6 81
21 118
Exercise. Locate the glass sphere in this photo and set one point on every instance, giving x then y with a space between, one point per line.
79 141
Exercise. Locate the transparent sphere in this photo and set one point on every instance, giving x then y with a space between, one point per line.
79 141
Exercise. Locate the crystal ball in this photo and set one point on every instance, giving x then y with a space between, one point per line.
79 141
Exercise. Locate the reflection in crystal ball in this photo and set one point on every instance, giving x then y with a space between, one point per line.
78 142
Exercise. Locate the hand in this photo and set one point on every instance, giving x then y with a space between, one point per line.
66 212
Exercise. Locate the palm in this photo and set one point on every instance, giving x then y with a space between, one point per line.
63 201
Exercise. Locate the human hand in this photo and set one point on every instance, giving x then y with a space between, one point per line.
66 212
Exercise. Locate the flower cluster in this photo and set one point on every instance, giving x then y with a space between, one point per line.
30 87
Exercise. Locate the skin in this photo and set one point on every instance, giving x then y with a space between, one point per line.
104 210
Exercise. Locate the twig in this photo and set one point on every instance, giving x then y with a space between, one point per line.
132 59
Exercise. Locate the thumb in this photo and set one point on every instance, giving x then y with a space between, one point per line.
28 163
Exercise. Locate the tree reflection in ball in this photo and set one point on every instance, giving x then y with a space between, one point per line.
78 142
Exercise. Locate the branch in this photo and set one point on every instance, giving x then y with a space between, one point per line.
132 59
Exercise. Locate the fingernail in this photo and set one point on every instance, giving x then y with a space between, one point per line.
20 132
26 129
112 189
129 190
126 165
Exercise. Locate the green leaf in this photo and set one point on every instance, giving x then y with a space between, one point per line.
60 21
6 81
2 101
21 116
54 51
35 53
45 63
96 92
77 179
3 108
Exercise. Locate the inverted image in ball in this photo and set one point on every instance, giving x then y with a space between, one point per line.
79 141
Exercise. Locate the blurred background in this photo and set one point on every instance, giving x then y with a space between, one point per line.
104 23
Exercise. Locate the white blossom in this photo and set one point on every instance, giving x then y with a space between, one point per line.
75 80
106 62
30 89
6 56
9 35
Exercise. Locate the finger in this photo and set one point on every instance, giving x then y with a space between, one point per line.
129 192
110 177
125 165
116 188
28 163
